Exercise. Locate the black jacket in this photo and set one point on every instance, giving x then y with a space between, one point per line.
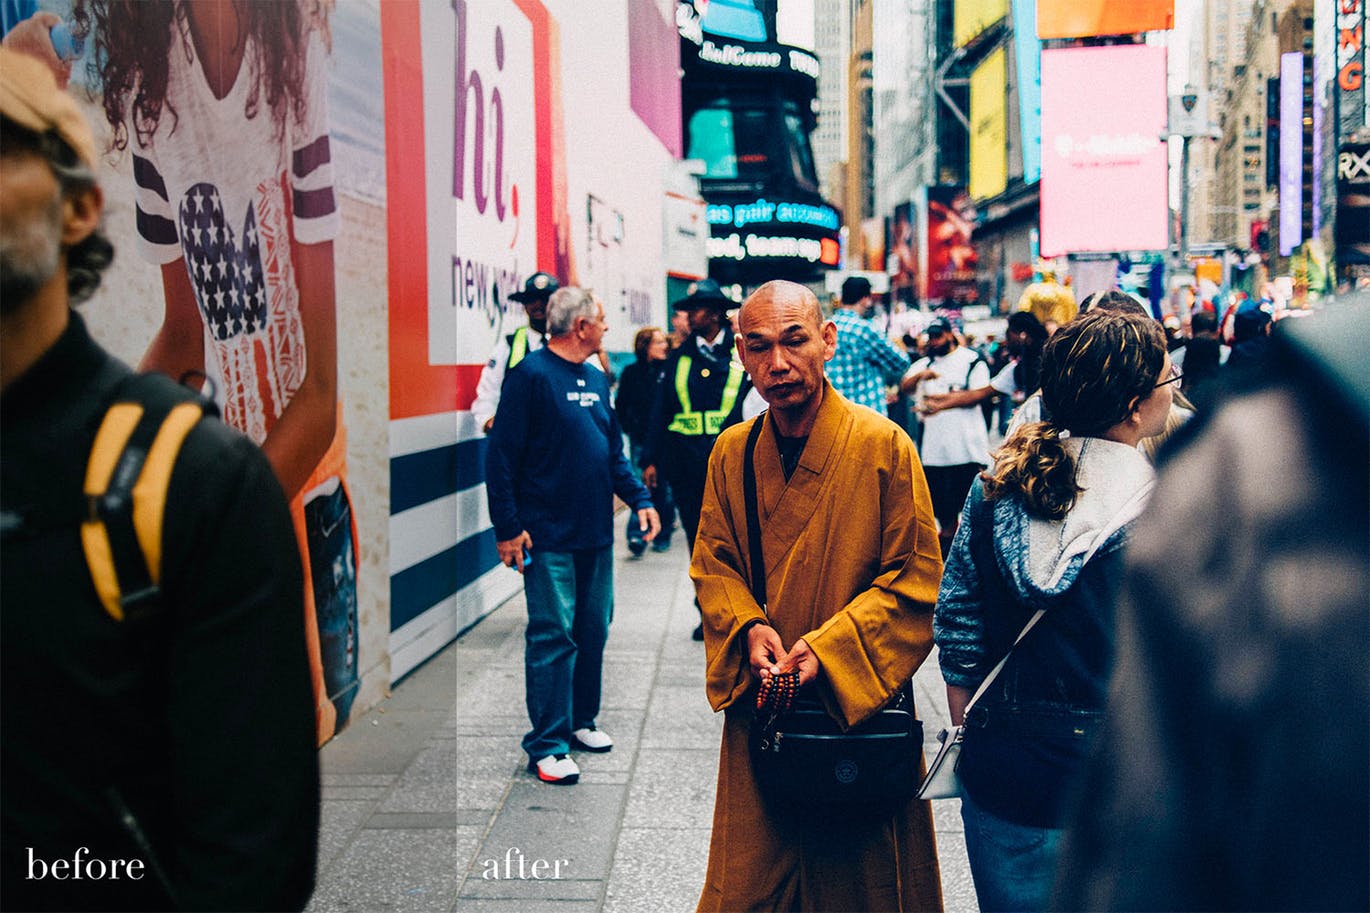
637 390
198 724
685 458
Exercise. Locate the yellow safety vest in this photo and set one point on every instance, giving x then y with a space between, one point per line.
691 423
518 348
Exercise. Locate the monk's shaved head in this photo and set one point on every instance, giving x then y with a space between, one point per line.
791 297
783 341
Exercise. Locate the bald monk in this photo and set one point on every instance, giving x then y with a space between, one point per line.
852 569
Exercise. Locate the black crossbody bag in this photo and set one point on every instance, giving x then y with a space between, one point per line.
802 754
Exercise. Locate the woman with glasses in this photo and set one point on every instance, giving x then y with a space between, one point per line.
1044 529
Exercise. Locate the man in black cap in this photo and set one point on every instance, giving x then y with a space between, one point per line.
513 347
955 443
701 394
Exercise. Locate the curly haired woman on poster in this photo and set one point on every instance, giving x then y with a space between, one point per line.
223 103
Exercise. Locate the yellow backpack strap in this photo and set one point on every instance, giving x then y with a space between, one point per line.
127 477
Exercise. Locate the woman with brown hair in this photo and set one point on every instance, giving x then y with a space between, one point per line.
1044 529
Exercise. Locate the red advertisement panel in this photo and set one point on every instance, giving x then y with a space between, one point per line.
951 257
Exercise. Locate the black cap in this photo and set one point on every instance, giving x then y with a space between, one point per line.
704 293
938 327
854 288
538 286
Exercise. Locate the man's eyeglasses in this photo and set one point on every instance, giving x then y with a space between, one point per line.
1175 374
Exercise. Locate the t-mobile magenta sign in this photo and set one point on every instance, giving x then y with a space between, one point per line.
1103 156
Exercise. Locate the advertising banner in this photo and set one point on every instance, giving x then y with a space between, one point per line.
1353 209
251 248
1103 162
989 127
1085 18
971 17
1027 53
903 254
1291 152
946 248
753 239
1350 89
654 62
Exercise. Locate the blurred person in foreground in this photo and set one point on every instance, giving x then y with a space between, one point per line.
1044 529
839 488
174 744
1233 770
637 390
554 464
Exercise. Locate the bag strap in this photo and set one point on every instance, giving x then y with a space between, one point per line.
994 673
127 477
976 362
757 560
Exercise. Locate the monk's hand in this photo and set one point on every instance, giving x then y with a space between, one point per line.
802 658
764 649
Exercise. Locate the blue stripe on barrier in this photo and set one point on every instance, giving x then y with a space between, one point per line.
416 589
417 478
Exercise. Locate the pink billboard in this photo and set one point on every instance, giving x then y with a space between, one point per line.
1103 155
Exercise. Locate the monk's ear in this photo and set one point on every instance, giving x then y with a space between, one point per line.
829 340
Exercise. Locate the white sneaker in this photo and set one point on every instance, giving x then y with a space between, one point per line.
592 739
558 769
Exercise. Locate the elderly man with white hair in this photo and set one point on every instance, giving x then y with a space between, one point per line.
554 464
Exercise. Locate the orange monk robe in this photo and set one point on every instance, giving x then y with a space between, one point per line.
852 566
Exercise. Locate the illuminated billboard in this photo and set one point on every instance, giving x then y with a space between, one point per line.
1083 18
971 17
1351 94
947 259
1103 159
1027 53
989 127
1291 152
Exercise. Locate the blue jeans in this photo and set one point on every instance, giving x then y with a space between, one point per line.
1013 865
570 599
333 575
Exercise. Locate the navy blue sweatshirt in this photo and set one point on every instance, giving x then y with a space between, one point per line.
555 459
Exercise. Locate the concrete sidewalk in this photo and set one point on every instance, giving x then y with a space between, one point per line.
428 805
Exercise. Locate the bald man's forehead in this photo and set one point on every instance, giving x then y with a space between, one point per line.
784 302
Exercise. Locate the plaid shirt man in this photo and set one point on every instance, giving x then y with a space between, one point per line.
865 361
